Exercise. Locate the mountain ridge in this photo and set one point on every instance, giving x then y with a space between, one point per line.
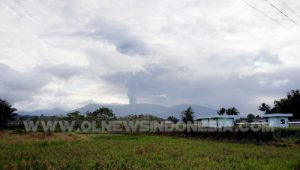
121 110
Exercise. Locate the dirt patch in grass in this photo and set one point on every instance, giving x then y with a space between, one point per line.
12 138
146 149
41 135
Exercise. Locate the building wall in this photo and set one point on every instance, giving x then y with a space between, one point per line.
225 122
278 122
205 123
213 123
221 122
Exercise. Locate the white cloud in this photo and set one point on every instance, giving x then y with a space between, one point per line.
77 45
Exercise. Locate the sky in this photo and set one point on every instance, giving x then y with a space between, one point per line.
66 54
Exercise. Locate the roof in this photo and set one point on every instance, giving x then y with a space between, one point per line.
278 115
217 117
253 123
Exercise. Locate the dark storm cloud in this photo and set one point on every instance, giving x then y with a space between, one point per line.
17 86
161 53
232 91
63 71
139 83
117 34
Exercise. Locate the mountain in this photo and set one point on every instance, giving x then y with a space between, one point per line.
198 109
123 110
46 112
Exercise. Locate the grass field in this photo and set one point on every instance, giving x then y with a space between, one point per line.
112 151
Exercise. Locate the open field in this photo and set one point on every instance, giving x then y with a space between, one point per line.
113 151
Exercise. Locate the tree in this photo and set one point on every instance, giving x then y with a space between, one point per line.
102 113
264 108
7 113
294 100
134 117
172 119
290 104
222 111
75 115
232 111
187 115
250 118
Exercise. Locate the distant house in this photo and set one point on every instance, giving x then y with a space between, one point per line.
218 121
278 119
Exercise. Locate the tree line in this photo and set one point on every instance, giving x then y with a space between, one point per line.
290 104
8 114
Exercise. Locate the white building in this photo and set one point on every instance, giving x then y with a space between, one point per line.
217 121
278 119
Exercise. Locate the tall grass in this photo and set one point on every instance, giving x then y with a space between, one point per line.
112 151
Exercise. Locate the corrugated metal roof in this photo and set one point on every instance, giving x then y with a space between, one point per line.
278 115
217 117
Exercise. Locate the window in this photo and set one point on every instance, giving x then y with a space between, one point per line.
282 121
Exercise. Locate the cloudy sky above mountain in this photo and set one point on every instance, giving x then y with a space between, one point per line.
64 54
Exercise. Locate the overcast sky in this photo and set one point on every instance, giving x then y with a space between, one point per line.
216 53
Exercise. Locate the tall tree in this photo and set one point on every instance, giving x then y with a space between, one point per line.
232 111
7 113
102 113
172 119
250 118
187 115
264 108
290 104
75 115
222 111
294 100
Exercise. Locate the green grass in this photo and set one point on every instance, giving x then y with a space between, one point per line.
112 151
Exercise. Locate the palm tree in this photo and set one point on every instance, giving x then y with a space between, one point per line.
265 108
222 111
6 113
232 111
187 115
172 119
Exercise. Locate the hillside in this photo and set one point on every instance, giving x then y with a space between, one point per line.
123 110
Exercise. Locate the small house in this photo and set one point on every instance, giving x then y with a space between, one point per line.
218 121
278 119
